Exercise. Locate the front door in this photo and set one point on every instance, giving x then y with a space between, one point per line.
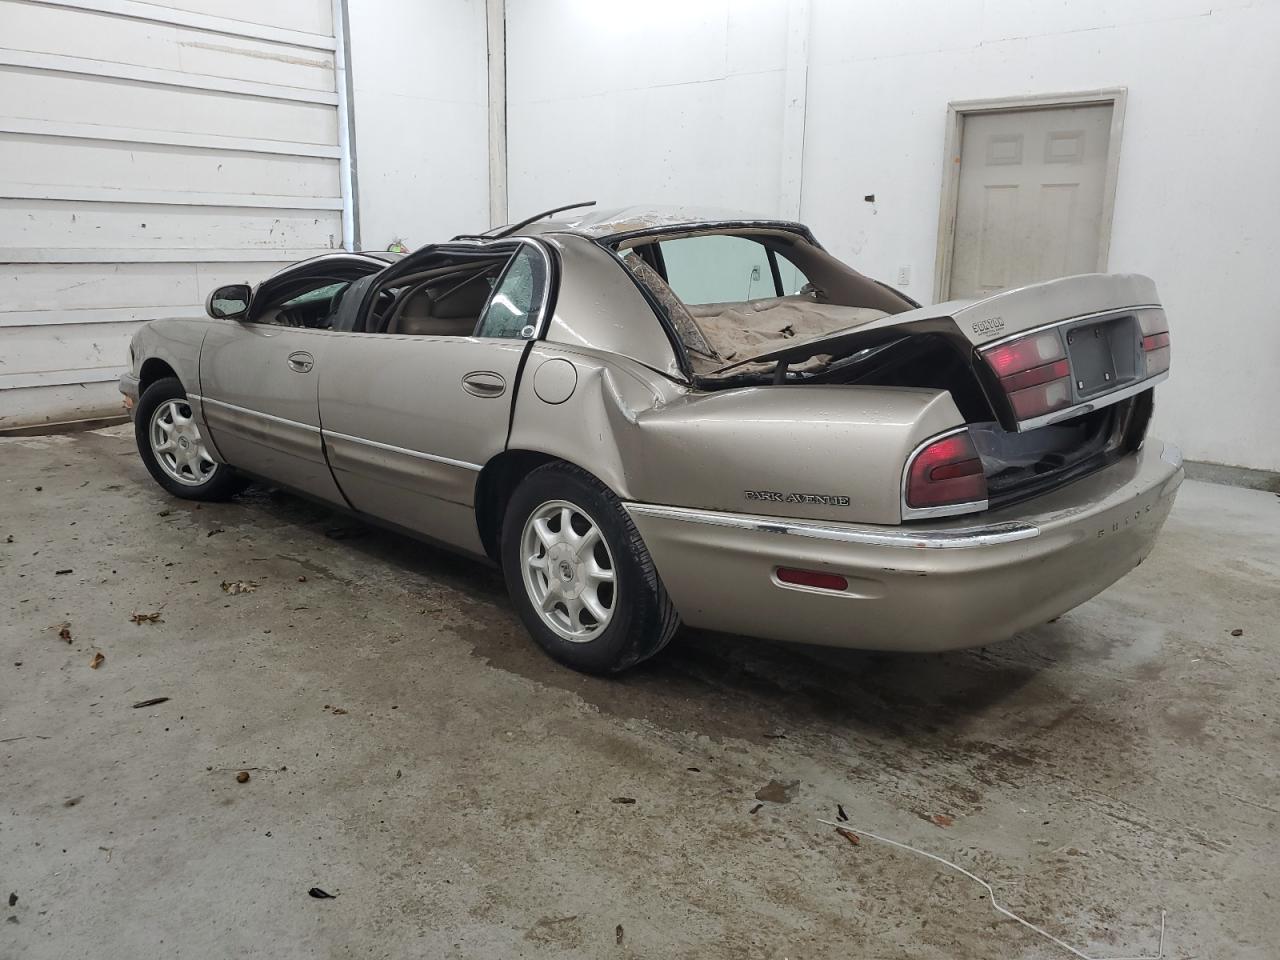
258 381
1030 201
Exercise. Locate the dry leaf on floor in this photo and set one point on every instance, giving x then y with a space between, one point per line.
96 662
64 632
146 617
849 835
239 586
942 820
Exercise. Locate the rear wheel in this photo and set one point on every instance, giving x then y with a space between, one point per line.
174 451
579 574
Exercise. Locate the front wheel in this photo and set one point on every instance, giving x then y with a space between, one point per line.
172 448
579 574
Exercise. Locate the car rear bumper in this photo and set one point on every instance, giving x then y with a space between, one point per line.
929 587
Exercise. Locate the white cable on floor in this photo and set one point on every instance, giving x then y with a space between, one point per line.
1159 954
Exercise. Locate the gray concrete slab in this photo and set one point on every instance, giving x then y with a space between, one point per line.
1098 769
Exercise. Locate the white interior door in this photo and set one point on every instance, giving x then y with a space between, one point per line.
1030 199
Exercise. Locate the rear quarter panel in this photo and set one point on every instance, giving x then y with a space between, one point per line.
820 452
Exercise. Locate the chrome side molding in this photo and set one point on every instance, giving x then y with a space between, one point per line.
954 539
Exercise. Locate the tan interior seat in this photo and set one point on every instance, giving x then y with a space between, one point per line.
421 315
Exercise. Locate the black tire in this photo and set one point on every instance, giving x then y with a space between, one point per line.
221 483
643 619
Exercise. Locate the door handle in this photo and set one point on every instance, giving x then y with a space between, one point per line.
301 362
484 383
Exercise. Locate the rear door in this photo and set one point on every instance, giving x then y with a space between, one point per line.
409 420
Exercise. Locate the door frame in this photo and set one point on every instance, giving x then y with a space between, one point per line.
959 110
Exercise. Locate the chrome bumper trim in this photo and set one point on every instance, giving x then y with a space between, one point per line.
953 539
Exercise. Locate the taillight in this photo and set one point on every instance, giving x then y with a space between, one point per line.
1155 340
1034 373
946 472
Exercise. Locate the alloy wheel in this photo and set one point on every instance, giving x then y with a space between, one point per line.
568 570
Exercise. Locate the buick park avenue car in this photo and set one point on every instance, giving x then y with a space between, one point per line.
649 417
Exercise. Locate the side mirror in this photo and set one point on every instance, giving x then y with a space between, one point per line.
230 302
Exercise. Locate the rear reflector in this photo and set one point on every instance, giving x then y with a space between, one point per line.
1155 340
947 472
1034 373
812 578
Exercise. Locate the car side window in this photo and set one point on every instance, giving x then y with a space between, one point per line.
513 307
721 268
312 304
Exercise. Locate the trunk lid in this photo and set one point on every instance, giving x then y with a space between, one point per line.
1102 331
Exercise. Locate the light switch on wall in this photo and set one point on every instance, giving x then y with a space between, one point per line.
904 276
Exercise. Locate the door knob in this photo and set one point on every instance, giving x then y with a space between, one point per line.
301 361
484 383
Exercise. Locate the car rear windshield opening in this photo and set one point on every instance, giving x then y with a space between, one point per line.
732 295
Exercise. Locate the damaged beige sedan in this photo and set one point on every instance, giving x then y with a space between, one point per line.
649 418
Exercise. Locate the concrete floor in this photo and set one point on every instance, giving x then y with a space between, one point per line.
459 799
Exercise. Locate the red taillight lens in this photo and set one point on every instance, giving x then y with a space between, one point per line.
1034 373
946 472
812 578
1155 341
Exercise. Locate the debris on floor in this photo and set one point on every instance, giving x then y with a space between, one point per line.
617 933
141 618
321 894
64 632
626 800
991 894
849 835
775 791
239 586
942 820
1237 632
96 662
150 703
242 776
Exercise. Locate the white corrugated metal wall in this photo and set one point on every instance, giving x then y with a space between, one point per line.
148 152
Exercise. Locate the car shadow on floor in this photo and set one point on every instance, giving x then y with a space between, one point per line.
712 684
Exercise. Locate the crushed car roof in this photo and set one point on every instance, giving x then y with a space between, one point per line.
619 221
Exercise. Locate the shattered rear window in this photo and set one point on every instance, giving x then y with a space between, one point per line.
685 326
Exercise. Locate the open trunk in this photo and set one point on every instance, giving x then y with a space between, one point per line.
1053 381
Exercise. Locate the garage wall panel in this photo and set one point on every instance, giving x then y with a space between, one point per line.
68 31
148 153
55 162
